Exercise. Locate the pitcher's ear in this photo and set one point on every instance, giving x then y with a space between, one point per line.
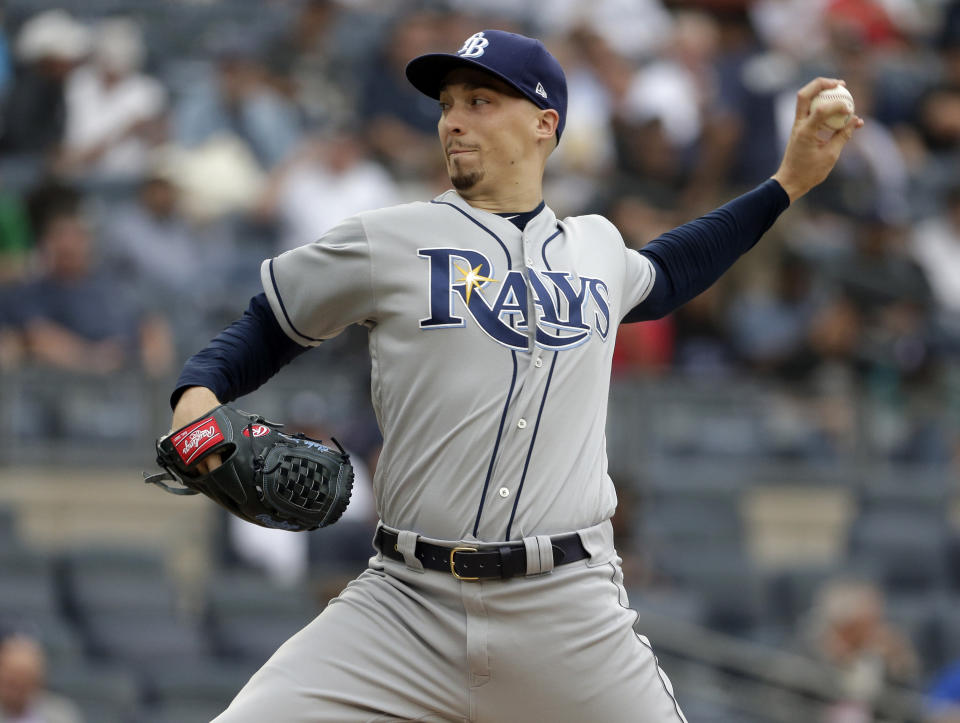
547 122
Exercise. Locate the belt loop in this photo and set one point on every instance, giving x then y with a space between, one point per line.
378 542
539 554
545 547
407 546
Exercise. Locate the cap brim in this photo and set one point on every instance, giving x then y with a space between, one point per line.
427 72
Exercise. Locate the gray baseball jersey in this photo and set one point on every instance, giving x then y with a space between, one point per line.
491 351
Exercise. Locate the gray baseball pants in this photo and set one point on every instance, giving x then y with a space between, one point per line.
405 644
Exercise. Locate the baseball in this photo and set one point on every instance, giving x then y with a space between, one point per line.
832 95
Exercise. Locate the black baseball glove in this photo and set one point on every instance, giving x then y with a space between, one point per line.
269 478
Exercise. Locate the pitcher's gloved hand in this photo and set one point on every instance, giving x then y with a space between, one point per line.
269 478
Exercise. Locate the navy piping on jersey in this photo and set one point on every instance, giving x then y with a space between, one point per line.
543 255
283 307
536 427
543 249
656 661
496 445
506 404
526 463
467 215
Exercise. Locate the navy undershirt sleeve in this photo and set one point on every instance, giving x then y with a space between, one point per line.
241 357
691 257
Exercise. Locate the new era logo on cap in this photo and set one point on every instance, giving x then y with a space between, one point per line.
522 62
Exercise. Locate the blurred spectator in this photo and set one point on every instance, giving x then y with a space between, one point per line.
114 113
679 85
11 338
23 698
150 244
220 179
332 178
848 628
935 246
702 348
311 62
48 47
651 171
770 324
644 348
588 152
744 145
237 100
76 317
892 295
793 27
400 122
16 240
635 29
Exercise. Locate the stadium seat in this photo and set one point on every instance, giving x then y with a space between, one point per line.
101 593
26 590
8 525
206 682
114 559
105 694
253 639
790 592
145 641
181 712
906 550
252 593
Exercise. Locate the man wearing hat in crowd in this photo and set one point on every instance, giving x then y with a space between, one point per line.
496 592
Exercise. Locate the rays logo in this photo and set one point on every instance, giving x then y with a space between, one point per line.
568 309
474 46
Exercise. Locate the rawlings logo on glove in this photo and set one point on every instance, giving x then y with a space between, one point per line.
272 479
194 440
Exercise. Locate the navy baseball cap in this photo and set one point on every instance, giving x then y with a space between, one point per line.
519 61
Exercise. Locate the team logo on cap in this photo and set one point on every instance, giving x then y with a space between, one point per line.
474 46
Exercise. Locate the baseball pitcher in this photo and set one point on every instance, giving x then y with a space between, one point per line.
495 593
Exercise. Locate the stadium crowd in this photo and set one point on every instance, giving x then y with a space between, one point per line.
152 153
144 172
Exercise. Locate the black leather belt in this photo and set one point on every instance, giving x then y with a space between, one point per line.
487 563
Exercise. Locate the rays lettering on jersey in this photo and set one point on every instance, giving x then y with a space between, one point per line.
561 301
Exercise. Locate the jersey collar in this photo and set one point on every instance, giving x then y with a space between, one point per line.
544 222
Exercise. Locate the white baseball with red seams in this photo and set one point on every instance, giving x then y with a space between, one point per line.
833 95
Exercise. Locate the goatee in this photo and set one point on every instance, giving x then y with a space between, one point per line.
465 180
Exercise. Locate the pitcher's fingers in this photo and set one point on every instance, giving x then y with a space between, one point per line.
843 135
808 92
209 463
818 117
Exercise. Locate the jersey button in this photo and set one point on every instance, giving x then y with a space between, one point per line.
504 492
529 261
538 363
522 424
